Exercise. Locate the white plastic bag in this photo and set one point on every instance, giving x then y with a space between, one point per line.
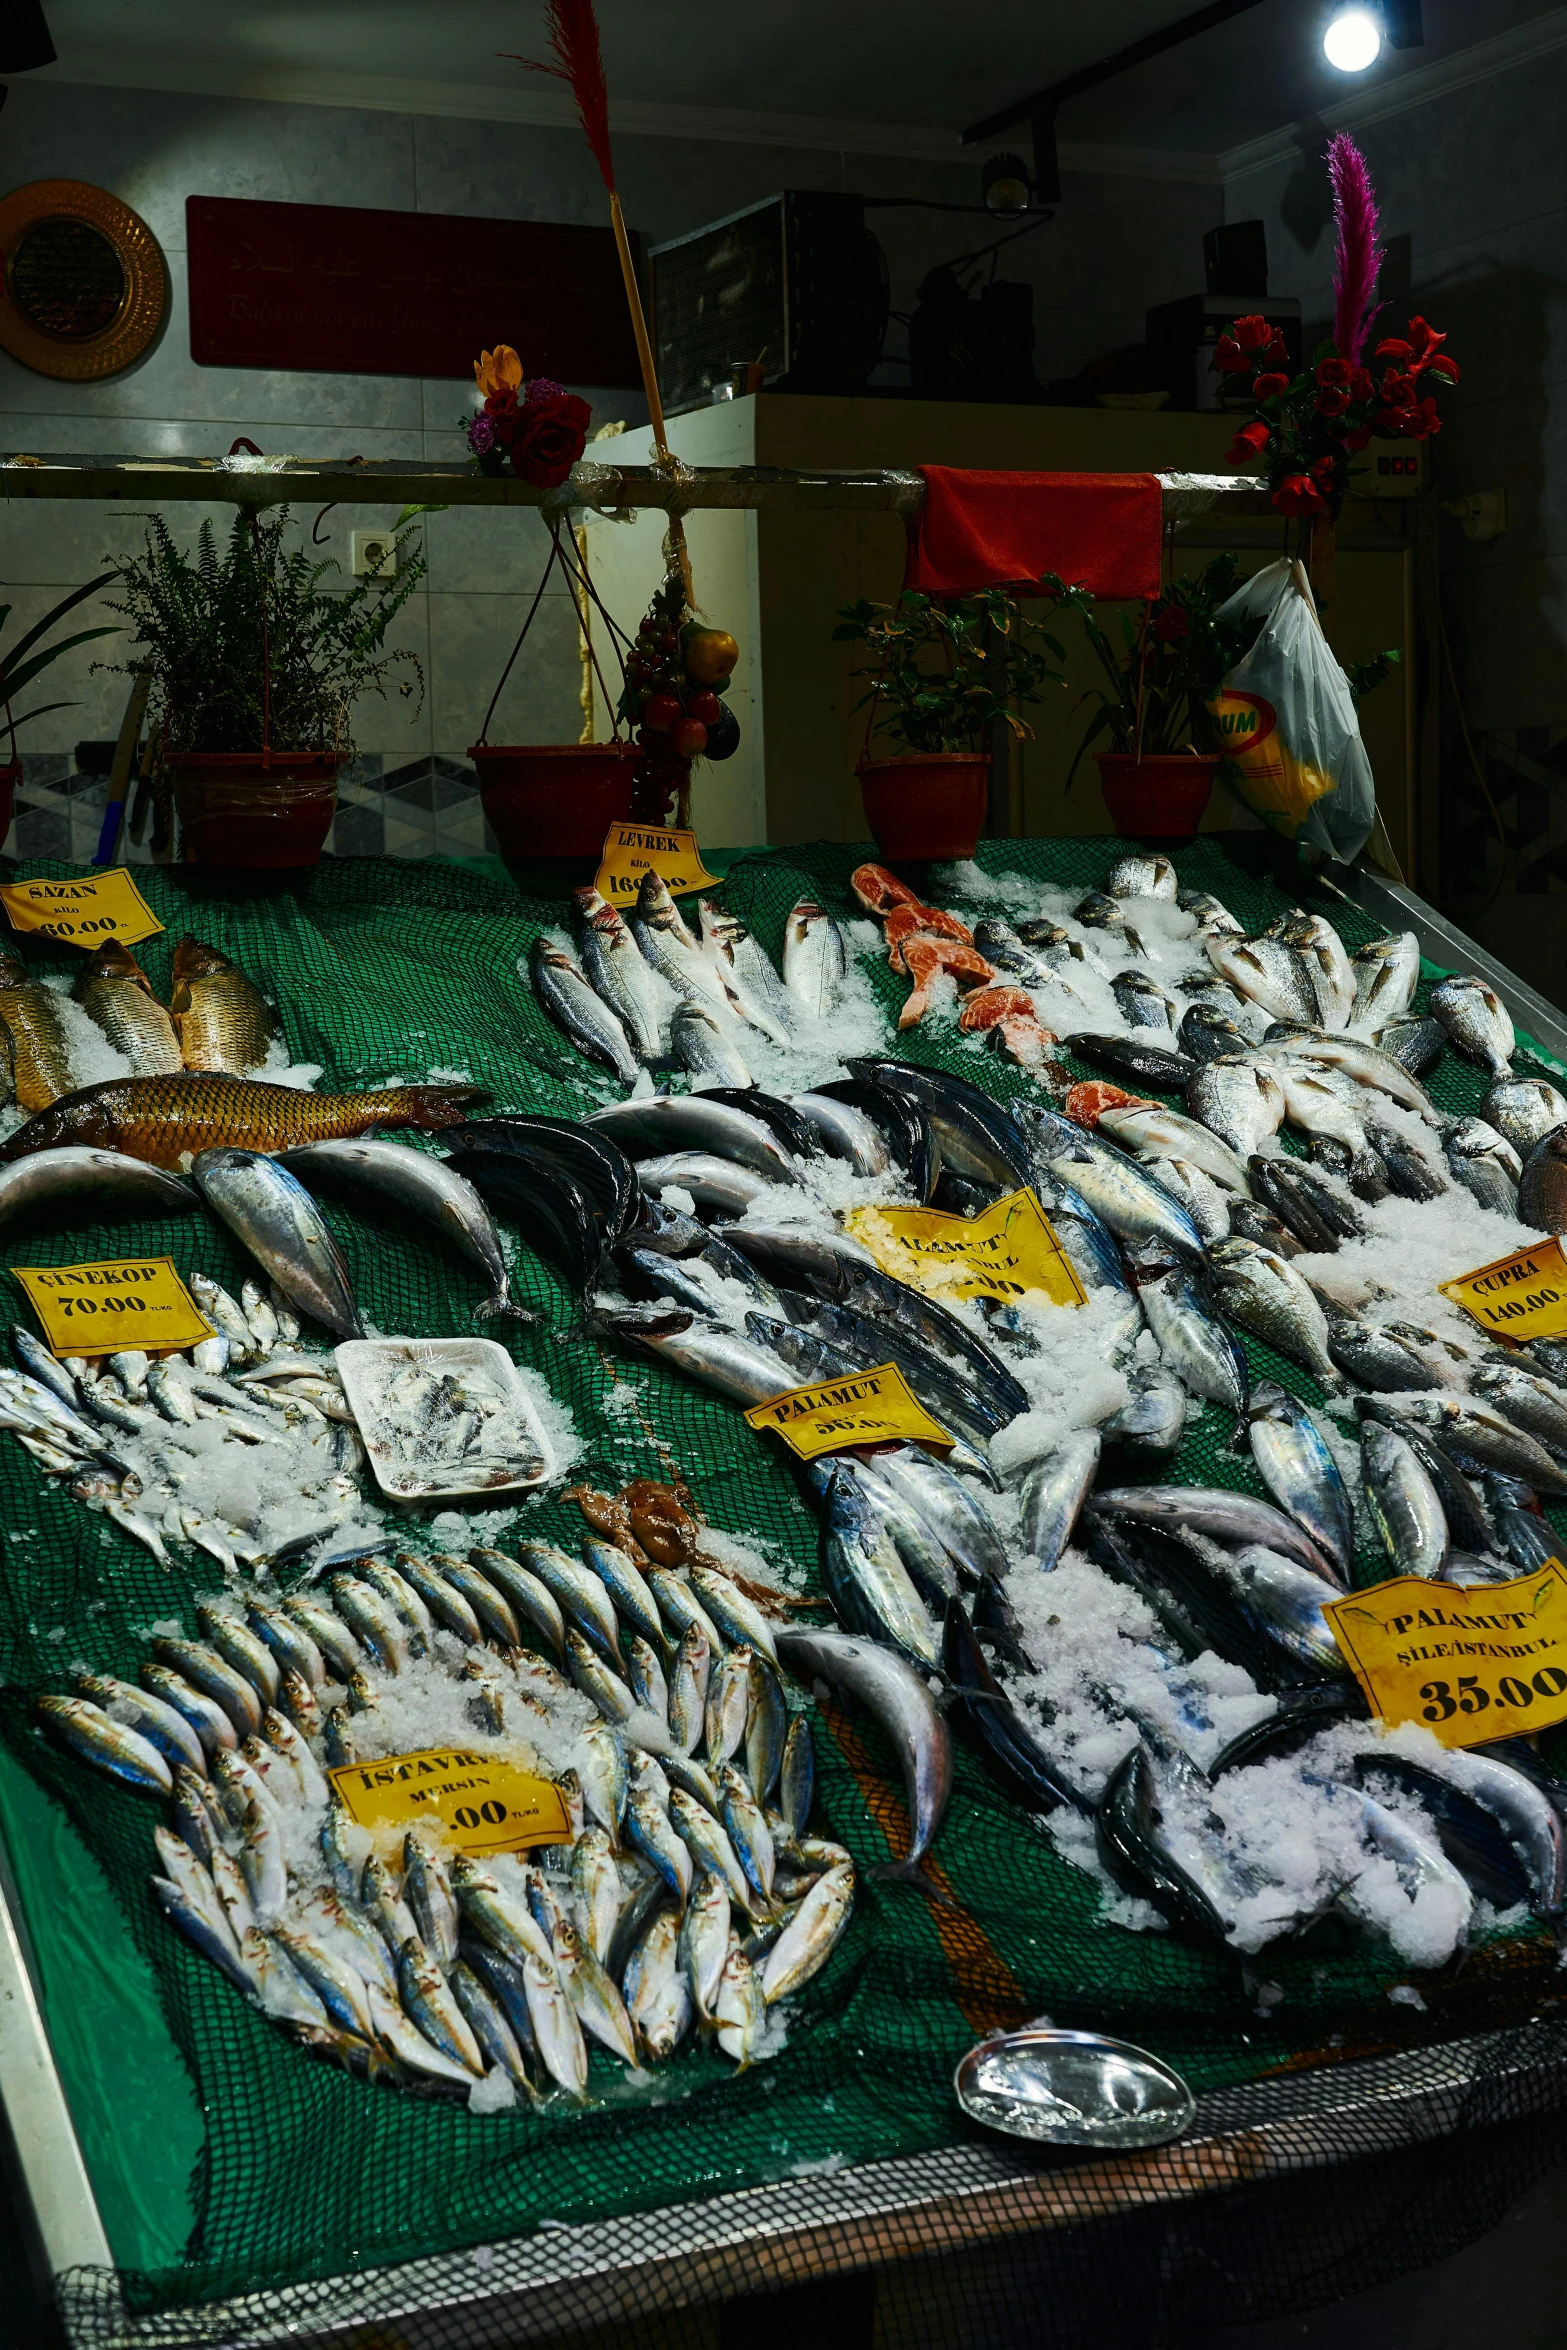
1285 721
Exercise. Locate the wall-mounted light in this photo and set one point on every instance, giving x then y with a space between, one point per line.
1005 186
1352 40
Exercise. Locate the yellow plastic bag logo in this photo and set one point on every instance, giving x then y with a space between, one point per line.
1279 786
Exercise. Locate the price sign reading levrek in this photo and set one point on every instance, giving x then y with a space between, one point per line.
1489 1661
1521 1296
98 1309
630 850
480 1803
1008 1252
82 913
872 1407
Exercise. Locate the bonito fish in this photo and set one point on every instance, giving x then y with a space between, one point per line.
167 1120
116 994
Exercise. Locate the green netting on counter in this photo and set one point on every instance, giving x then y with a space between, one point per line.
265 2168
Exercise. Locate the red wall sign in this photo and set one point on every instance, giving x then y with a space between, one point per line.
355 292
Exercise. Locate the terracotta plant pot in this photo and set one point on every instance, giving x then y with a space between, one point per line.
10 777
251 809
554 799
926 804
1161 797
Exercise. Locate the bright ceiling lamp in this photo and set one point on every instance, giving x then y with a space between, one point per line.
1353 40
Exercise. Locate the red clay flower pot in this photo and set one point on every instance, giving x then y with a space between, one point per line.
1157 798
926 804
245 809
554 799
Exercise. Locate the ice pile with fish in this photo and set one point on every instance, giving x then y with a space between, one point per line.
639 1677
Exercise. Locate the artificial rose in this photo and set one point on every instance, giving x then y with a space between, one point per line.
1421 421
501 408
1332 400
1268 387
1447 369
546 438
1249 442
1416 348
1251 342
1298 495
1171 625
1361 385
1398 391
498 370
1333 374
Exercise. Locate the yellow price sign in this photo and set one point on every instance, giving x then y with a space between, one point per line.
871 1407
97 1309
1010 1251
82 913
1521 1296
1469 1664
478 1803
630 850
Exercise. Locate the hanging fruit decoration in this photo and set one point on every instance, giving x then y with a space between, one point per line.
677 670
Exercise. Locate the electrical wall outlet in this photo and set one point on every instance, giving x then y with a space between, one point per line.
373 554
1390 469
1483 515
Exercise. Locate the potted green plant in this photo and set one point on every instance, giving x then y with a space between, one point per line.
1158 772
942 674
254 666
23 660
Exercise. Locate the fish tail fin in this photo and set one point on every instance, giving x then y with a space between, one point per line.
435 1106
503 1307
909 1872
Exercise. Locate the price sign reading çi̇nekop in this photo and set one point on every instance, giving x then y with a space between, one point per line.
477 1803
1521 1296
1469 1664
97 1309
85 913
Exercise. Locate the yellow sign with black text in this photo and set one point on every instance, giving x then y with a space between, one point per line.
1469 1664
479 1803
1521 1296
98 1309
869 1407
85 913
1009 1251
631 850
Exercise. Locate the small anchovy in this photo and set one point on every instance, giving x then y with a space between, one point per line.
657 1993
113 1746
1477 1021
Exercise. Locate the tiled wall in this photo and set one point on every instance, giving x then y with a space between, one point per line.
1092 274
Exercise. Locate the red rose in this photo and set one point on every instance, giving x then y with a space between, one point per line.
1332 401
1361 386
1421 421
1425 339
502 405
1398 391
1171 625
1333 374
546 437
1251 342
1249 442
1268 387
1446 368
1298 495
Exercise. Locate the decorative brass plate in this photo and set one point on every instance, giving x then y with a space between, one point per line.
85 289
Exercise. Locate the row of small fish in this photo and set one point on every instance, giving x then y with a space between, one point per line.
652 993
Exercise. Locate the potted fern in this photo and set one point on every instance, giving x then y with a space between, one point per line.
942 673
25 658
254 666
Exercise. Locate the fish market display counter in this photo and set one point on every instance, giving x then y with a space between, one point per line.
191 2172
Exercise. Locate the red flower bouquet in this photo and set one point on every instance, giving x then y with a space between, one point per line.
1307 427
538 427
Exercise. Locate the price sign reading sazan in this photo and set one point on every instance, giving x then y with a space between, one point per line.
1470 1664
82 913
630 850
480 1803
1521 1296
98 1309
872 1407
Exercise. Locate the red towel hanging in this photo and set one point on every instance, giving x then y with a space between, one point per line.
1099 531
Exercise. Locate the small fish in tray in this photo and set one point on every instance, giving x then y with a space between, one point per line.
443 1417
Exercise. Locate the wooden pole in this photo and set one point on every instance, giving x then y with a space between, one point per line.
655 406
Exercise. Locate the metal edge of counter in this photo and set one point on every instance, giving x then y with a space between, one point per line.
1441 941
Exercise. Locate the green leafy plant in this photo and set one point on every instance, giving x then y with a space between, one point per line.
1171 660
943 673
249 647
20 663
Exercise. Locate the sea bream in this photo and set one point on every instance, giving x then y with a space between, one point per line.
1387 972
1477 1021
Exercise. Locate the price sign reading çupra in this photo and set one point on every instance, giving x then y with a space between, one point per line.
97 1309
1521 1296
871 1407
1489 1661
630 850
83 913
478 1803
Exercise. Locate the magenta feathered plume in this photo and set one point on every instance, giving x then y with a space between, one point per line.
1359 257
